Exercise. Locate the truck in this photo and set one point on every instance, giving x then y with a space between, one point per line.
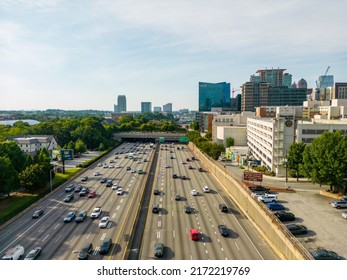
14 253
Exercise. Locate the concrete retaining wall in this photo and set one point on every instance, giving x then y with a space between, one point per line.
271 229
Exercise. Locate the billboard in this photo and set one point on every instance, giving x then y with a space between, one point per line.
252 176
66 154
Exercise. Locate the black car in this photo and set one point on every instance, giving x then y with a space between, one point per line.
322 254
105 246
84 191
85 178
259 189
177 197
223 230
190 167
85 251
284 216
184 177
156 192
187 209
223 208
80 217
78 188
155 208
201 170
296 229
69 188
159 250
174 175
37 214
69 197
109 183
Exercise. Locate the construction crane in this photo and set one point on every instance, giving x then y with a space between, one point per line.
319 85
233 92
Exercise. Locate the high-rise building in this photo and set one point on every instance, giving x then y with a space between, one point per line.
146 107
122 103
156 109
271 88
214 95
167 108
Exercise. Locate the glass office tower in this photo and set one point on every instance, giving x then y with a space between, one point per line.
214 95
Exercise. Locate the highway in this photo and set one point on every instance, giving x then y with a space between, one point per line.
63 241
171 225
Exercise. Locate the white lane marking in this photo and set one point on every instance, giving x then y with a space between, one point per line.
237 246
159 223
89 234
114 215
206 251
117 208
122 198
103 236
57 239
43 240
222 249
57 226
158 234
161 199
173 234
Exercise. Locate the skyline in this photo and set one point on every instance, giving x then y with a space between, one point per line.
83 54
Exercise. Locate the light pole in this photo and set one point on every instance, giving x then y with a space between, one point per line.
285 161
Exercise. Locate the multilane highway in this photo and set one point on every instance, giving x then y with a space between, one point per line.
63 241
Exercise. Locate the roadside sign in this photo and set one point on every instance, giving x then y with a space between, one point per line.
253 176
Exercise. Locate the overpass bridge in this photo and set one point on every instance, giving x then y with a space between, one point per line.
152 136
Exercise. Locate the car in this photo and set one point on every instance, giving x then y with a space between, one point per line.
69 188
322 254
118 166
139 171
194 192
96 173
177 197
156 192
159 250
111 161
284 216
174 176
105 166
206 189
223 230
339 204
109 183
297 229
84 191
190 167
194 234
33 254
200 169
259 189
344 215
256 194
99 164
103 180
111 166
37 214
85 251
104 222
120 191
78 188
223 207
91 194
132 171
85 178
266 198
115 186
69 197
187 209
167 166
105 246
275 206
68 218
184 177
155 208
80 217
96 212
128 167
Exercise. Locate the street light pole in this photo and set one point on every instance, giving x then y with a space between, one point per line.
286 162
50 179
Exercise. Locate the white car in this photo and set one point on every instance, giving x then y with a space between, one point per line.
167 166
206 189
194 192
96 173
104 222
266 198
99 164
117 166
256 194
120 191
115 187
133 171
96 212
111 166
344 215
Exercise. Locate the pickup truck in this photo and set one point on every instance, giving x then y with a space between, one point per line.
259 189
96 212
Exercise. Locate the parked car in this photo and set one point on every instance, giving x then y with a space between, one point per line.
223 230
68 218
274 206
285 216
339 204
80 217
105 246
33 254
85 251
69 197
37 214
159 250
259 189
266 198
296 229
322 254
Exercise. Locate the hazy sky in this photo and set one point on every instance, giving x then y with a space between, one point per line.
65 54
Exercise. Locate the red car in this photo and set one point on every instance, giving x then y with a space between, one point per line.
91 194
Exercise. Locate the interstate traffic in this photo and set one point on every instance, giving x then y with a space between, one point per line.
175 191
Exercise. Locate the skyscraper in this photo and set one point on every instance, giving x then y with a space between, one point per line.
214 95
122 103
167 108
146 107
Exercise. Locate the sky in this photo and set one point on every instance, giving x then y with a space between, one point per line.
77 55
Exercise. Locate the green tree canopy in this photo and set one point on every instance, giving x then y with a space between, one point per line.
295 158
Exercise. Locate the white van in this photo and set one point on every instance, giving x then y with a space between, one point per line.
268 198
206 189
14 253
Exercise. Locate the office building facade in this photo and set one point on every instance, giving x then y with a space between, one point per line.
146 107
167 108
121 105
214 95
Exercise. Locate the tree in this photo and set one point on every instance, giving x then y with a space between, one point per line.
208 135
295 158
34 177
229 142
11 150
8 176
194 126
80 147
323 161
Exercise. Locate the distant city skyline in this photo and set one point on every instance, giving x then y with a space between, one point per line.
66 55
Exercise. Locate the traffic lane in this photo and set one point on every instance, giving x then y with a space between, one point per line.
324 223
